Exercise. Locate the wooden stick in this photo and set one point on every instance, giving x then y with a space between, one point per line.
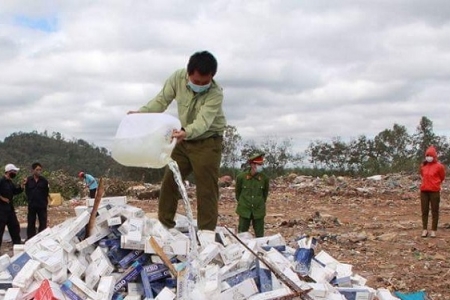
97 200
160 252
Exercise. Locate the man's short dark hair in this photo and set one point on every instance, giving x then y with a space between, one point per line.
35 165
203 62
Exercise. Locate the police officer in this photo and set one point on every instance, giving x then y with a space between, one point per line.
252 189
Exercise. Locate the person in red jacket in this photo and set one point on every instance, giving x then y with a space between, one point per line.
433 174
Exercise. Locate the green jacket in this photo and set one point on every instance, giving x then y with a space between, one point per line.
201 114
251 194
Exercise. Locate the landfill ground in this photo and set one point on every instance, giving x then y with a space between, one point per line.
373 225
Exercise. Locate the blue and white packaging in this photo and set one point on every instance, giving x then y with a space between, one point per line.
146 285
245 290
304 254
357 293
18 263
132 272
129 258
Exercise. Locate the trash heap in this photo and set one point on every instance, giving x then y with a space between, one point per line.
130 255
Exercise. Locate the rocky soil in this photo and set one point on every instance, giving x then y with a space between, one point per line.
373 224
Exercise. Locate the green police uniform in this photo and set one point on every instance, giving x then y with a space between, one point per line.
251 196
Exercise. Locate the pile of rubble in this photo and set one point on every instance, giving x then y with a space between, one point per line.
130 255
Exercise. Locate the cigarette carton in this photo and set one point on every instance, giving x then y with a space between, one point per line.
5 261
170 247
102 262
135 229
114 221
146 285
83 287
18 263
132 272
12 294
166 294
76 268
241 276
135 288
208 254
18 249
243 290
72 291
356 293
113 201
25 275
105 287
126 243
275 294
129 258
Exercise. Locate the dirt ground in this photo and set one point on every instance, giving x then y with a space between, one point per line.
378 234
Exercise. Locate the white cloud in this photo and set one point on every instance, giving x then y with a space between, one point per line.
304 70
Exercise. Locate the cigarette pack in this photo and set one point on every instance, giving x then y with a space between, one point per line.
146 285
265 276
105 287
12 294
166 294
5 261
102 262
243 290
25 276
241 276
18 263
72 291
356 293
83 287
135 229
106 243
132 272
113 201
126 243
135 288
208 254
114 221
129 258
275 294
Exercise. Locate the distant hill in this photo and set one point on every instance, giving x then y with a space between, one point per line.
56 153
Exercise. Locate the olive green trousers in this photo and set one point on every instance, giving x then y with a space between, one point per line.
258 225
201 157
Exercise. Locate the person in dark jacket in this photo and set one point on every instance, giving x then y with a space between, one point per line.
433 174
37 191
252 190
8 215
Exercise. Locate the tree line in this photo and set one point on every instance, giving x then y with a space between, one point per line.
391 150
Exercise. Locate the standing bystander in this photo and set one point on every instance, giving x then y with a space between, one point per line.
90 182
37 191
8 217
252 190
433 174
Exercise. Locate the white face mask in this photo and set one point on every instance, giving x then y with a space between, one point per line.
429 158
199 88
259 168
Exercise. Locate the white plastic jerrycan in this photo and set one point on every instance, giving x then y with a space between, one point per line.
145 140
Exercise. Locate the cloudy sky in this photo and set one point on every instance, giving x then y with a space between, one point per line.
296 69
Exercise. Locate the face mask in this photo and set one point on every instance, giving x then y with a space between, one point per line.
429 158
199 88
12 175
259 168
